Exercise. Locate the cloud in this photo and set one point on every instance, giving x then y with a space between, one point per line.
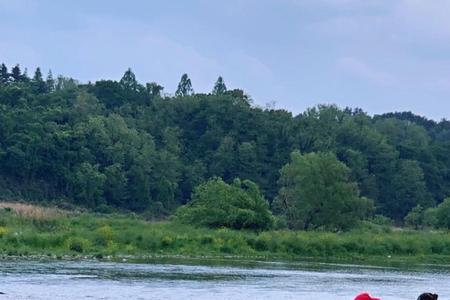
362 70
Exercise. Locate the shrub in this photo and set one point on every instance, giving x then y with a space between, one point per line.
218 204
3 231
105 235
77 244
415 217
430 217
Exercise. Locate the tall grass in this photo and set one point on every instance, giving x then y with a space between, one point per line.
26 230
32 212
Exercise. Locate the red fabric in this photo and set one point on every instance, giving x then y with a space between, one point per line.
365 296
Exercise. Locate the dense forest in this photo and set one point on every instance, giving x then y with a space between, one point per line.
126 145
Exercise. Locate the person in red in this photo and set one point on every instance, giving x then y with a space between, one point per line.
365 296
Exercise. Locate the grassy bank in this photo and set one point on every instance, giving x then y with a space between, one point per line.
28 230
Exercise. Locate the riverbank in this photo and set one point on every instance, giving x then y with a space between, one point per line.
36 232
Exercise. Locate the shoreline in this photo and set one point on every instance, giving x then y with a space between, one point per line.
400 263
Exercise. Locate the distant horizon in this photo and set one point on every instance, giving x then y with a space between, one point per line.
379 55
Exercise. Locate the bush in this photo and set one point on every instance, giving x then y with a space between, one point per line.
104 236
3 231
415 217
218 204
382 220
77 244
430 217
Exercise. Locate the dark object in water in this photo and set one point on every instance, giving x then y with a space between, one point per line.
1 293
428 296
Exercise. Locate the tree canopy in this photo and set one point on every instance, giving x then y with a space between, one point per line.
316 192
217 204
126 144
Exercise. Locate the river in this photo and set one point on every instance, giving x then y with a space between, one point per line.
107 280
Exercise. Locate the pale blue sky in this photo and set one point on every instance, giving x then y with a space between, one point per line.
384 55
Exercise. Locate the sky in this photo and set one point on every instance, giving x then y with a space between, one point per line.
381 56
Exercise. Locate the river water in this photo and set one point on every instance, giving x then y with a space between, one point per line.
106 280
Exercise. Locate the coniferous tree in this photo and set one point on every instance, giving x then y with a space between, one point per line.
128 81
16 74
24 77
184 87
38 82
4 75
38 75
50 82
219 87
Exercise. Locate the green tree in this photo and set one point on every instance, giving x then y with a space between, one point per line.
219 87
16 74
4 75
128 81
154 89
217 204
38 83
50 82
415 217
223 161
409 189
442 214
430 217
184 87
115 185
316 193
88 184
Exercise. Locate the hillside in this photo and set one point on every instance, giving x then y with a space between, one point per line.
122 144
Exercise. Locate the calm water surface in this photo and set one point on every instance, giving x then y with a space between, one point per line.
99 280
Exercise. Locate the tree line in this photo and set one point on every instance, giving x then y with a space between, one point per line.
128 145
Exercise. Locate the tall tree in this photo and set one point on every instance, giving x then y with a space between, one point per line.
316 193
50 82
154 89
219 87
128 81
409 190
4 75
38 83
184 87
16 74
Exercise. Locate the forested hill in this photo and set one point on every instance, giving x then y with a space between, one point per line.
128 145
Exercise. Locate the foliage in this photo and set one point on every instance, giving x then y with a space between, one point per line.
184 87
442 214
126 145
415 218
219 87
137 238
316 193
217 204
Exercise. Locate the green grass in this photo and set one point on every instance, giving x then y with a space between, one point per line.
85 234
